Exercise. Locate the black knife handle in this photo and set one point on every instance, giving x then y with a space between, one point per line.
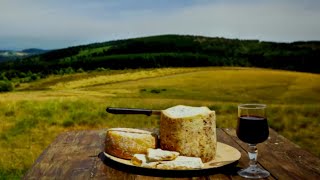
128 111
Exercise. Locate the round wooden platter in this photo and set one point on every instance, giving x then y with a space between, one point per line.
225 162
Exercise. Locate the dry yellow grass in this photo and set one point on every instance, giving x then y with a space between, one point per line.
113 78
31 119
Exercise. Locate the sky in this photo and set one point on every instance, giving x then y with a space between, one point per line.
52 24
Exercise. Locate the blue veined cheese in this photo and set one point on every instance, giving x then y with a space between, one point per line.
191 131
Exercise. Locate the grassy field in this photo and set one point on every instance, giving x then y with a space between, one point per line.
33 115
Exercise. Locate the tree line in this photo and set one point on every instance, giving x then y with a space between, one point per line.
166 51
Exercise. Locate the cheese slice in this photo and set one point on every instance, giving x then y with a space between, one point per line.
138 159
161 155
182 162
141 160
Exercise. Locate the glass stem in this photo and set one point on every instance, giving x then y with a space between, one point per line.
253 154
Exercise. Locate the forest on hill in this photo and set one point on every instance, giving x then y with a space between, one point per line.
11 55
166 51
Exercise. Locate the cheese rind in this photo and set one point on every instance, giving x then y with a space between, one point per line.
125 142
191 131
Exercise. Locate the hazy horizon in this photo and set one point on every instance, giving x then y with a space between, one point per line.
64 23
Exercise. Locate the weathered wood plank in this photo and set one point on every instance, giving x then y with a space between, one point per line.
284 159
73 155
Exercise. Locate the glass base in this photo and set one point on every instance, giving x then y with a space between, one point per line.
253 172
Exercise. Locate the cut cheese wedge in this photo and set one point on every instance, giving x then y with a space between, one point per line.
161 155
138 159
141 160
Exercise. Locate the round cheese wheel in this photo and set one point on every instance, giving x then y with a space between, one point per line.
125 142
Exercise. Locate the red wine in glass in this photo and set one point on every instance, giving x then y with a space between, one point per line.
252 129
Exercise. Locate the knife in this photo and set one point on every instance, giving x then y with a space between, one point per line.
148 112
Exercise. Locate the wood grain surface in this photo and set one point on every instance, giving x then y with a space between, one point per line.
74 155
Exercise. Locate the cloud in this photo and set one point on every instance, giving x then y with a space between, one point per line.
54 24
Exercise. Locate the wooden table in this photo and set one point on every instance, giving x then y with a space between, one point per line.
73 155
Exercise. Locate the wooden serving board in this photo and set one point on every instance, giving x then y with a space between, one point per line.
226 156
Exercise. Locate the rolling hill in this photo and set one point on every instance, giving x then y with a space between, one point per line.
169 51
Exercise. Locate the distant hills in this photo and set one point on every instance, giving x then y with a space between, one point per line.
6 55
166 51
33 51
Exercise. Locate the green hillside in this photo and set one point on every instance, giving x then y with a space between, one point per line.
168 51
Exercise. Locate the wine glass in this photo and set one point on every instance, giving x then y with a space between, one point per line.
252 128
